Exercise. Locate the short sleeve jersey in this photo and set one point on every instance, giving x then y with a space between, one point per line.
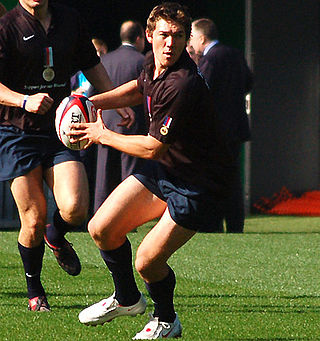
180 114
33 61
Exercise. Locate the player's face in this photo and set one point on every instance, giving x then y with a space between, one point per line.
33 4
168 41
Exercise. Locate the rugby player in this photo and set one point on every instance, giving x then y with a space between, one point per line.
41 45
184 182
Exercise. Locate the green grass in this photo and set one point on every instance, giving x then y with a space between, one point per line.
260 285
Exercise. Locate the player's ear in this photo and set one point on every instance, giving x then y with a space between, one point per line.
202 39
149 36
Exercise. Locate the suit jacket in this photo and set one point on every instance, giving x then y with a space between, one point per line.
229 78
123 65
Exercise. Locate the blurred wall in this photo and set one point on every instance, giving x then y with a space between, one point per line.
285 99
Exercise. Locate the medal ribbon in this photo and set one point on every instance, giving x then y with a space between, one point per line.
149 107
167 122
48 57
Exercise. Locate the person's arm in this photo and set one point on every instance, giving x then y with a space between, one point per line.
38 103
99 78
126 95
146 147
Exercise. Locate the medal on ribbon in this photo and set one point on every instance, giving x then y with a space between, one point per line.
48 72
166 125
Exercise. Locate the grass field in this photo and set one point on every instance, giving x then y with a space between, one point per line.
260 285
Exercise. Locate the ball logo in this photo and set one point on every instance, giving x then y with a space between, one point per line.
75 118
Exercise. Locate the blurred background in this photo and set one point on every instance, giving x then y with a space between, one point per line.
280 40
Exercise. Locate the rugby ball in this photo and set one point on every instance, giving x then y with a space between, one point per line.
73 109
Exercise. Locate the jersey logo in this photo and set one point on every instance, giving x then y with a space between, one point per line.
28 38
166 125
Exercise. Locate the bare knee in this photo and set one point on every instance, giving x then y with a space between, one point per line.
106 237
141 265
100 234
144 264
94 230
151 266
32 230
74 212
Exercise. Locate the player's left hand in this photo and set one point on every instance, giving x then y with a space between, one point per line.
88 131
128 117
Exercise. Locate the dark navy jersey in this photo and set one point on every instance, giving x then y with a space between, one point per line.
180 113
33 61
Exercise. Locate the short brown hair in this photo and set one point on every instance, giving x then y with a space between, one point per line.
130 31
207 27
170 11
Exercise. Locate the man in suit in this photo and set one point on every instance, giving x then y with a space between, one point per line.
229 78
124 64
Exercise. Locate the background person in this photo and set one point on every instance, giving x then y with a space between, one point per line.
100 46
41 45
186 179
123 65
192 53
229 79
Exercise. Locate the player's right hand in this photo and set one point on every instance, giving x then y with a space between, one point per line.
94 132
39 103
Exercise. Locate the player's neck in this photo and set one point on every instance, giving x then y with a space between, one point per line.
40 12
158 70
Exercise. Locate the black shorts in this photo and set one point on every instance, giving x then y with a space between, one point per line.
190 206
21 151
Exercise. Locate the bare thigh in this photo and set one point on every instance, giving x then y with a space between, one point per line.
27 191
130 205
69 184
158 245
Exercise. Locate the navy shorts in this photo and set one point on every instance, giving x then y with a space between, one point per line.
190 206
21 151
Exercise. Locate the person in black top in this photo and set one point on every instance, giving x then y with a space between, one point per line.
187 175
41 46
229 78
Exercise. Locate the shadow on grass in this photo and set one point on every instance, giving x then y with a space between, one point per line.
77 305
280 304
293 297
280 232
237 304
262 339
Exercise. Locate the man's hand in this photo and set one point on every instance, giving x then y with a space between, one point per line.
128 117
38 103
88 131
